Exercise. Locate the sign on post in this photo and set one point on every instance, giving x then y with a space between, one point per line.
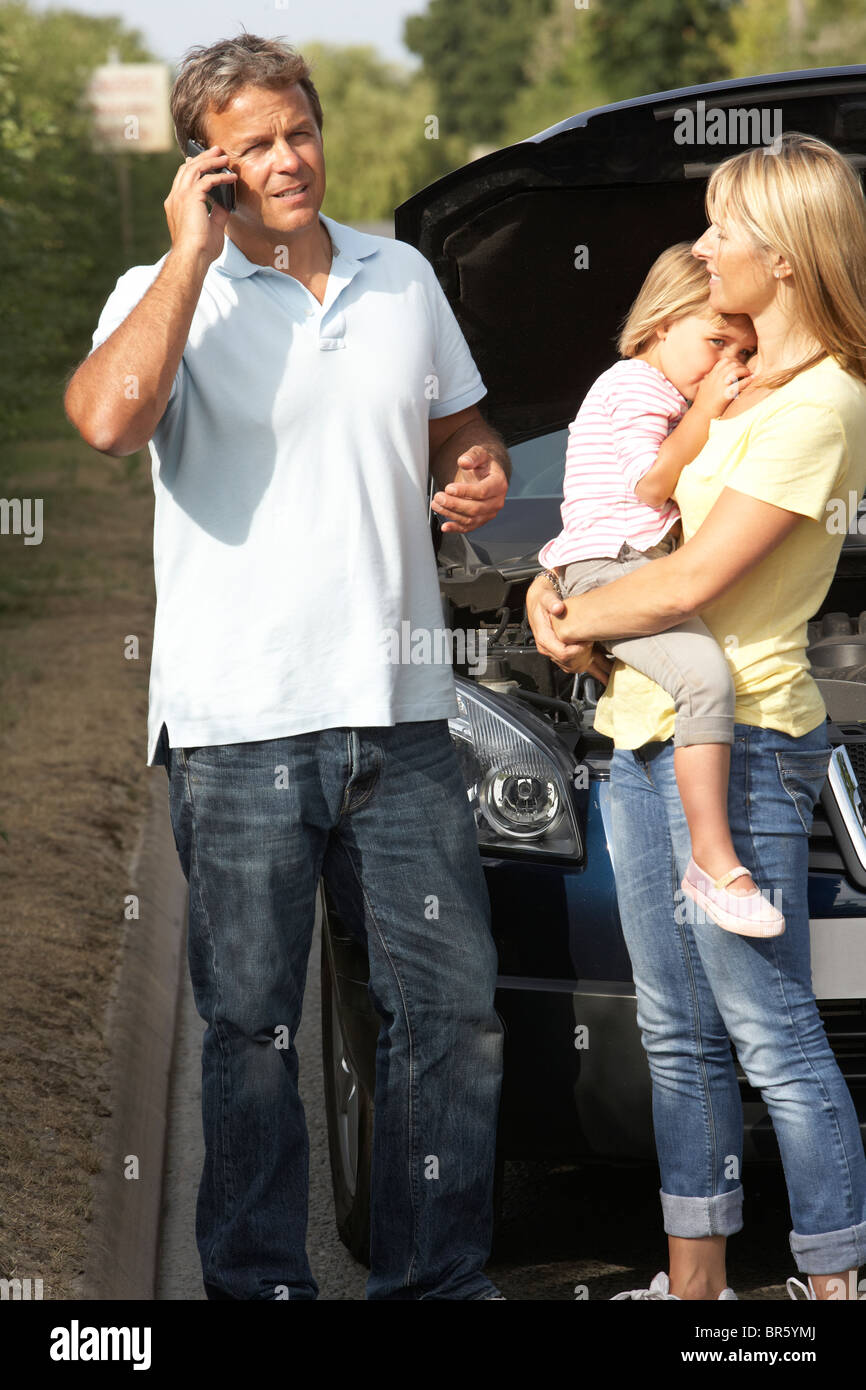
130 102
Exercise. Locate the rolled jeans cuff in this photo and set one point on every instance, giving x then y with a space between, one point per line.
692 1217
703 728
830 1253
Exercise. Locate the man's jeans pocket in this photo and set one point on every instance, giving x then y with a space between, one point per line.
802 773
183 756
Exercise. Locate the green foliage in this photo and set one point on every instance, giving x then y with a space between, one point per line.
562 74
614 49
59 206
475 55
609 50
504 69
783 35
376 149
654 47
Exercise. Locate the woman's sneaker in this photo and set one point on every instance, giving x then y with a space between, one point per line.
747 914
661 1288
798 1284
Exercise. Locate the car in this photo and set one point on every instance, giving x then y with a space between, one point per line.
541 248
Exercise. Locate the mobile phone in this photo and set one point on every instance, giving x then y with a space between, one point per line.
434 520
222 193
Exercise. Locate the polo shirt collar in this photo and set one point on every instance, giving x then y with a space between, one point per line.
232 261
350 245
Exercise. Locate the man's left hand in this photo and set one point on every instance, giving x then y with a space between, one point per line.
477 493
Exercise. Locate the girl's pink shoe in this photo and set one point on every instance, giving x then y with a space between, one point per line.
747 914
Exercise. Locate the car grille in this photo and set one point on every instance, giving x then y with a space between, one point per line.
824 852
845 1024
857 754
844 1019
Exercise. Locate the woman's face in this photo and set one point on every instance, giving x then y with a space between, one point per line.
741 272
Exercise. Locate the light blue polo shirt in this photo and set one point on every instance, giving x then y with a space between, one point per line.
290 471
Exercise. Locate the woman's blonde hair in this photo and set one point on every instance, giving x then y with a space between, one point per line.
801 199
677 285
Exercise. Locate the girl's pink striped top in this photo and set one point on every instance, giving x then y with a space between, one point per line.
625 418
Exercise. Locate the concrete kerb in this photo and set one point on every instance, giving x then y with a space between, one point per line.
123 1242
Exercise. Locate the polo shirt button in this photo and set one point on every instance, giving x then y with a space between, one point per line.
310 313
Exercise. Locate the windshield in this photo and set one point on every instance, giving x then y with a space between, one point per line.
538 466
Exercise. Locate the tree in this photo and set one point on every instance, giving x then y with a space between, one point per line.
599 51
475 55
59 213
380 146
783 35
505 69
562 76
659 45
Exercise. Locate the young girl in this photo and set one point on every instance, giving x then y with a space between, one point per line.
628 444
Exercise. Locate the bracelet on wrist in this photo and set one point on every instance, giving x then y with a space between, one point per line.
554 580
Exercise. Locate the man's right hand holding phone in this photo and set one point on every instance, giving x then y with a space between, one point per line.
151 339
192 230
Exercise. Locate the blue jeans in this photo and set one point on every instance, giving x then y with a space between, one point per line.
699 986
382 815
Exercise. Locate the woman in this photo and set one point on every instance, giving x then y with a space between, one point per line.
787 246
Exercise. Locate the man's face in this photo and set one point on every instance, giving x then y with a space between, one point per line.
275 148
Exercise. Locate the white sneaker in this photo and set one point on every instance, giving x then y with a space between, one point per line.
809 1293
660 1288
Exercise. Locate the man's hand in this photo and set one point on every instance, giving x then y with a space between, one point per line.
543 609
477 493
150 341
191 229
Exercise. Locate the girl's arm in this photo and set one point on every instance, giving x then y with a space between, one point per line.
737 534
686 440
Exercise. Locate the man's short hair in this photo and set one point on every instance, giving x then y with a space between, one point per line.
211 75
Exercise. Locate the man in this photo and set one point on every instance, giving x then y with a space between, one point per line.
291 375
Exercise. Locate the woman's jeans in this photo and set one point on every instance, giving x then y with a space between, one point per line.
382 815
698 985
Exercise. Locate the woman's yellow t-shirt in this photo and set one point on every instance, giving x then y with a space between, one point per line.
802 448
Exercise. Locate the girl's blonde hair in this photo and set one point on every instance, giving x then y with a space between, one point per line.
801 199
676 286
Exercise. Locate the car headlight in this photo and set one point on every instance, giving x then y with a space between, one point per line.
518 777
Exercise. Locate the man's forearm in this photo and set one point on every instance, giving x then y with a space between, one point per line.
119 393
444 465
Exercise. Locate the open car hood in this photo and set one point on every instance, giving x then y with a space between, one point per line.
504 233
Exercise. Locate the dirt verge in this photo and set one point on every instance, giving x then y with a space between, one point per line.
73 792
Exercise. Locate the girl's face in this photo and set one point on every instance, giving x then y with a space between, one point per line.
687 348
741 272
